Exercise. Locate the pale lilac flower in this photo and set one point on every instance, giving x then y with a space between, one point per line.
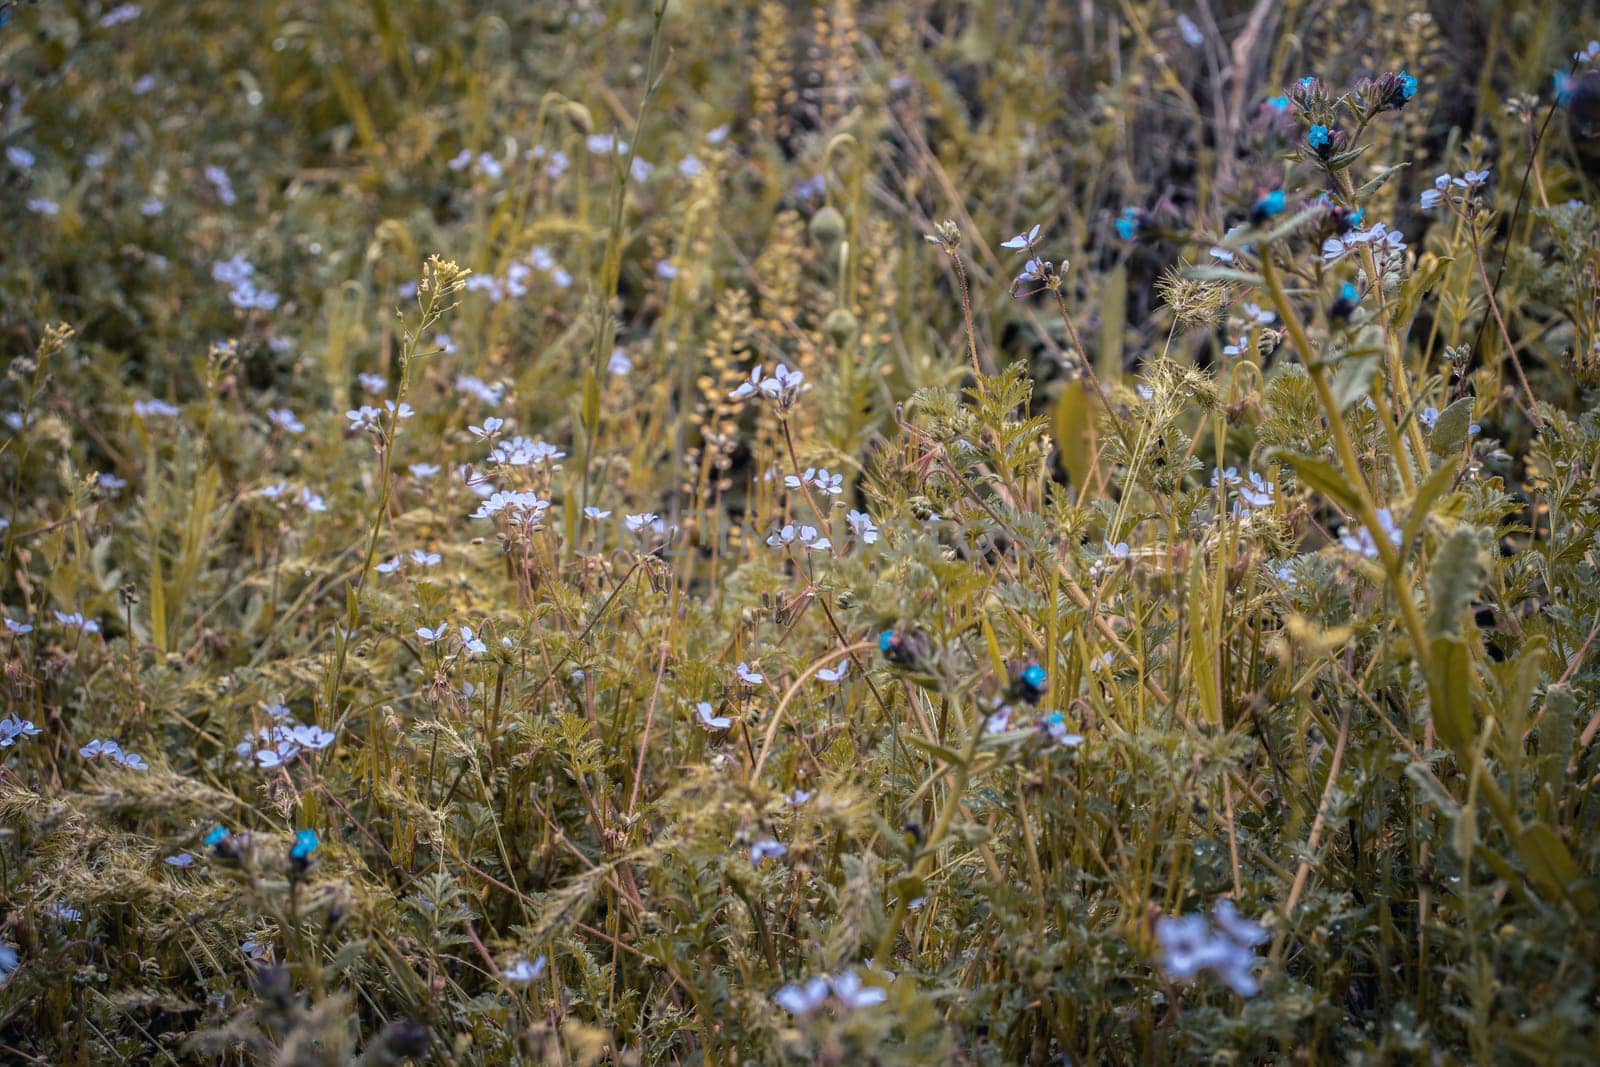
748 674
423 558
388 566
999 720
490 427
461 160
60 912
834 675
18 628
76 621
522 972
373 383
1256 491
421 471
404 411
312 737
1226 478
638 523
434 635
802 999
146 409
143 85
180 861
275 710
1190 32
151 206
709 719
312 502
446 346
222 184
118 15
766 849
750 387
1428 416
42 205
1259 315
13 728
606 144
595 514
285 420
1361 541
798 798
477 388
690 166
472 644
19 157
862 526
1023 241
619 365
366 417
852 994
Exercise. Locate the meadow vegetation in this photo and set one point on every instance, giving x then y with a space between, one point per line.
739 531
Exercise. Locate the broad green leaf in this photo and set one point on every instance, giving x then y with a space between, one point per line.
1457 573
1074 431
1428 493
1322 477
1550 865
1452 710
1450 428
1352 380
1113 320
948 755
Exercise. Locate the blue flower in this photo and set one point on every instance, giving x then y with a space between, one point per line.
1347 293
1034 676
1408 85
886 641
1562 83
1128 223
217 836
1307 82
1280 104
1267 206
305 843
1318 136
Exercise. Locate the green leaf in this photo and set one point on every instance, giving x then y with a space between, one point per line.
1550 865
1452 690
1427 494
1074 431
1353 378
1374 184
1457 573
1113 320
1322 477
949 755
1450 428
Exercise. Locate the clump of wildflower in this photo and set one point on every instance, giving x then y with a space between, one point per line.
14 728
782 388
847 990
112 751
1190 944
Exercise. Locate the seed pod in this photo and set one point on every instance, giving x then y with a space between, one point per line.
841 326
827 227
